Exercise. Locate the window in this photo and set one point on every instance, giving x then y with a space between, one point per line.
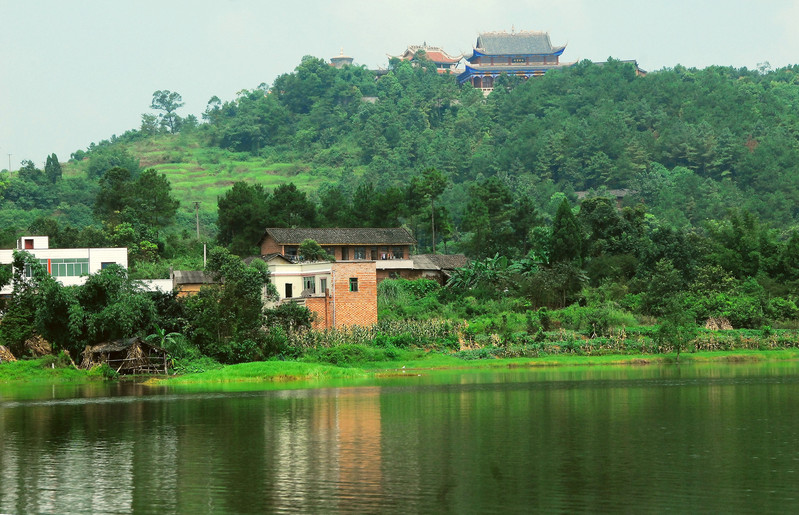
374 254
105 265
28 244
399 252
291 252
64 267
288 291
345 252
353 284
384 253
359 253
308 284
323 285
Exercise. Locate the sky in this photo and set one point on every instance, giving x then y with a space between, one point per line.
77 72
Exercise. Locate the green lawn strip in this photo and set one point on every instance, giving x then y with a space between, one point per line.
437 360
263 371
36 371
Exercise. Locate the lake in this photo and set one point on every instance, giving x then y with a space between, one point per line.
643 439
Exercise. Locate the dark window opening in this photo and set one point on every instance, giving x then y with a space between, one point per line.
353 284
289 293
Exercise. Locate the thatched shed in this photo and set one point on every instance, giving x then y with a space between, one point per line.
130 356
5 355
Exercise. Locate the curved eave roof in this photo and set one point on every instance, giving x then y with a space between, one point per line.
476 52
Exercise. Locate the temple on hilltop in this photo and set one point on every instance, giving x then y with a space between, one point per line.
524 54
341 60
444 62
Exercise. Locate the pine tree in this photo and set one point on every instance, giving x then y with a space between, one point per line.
567 238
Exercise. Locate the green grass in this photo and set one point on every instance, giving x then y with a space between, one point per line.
202 174
266 371
40 371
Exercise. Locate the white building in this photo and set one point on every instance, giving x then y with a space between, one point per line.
69 266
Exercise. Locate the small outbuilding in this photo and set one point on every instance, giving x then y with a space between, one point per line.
129 356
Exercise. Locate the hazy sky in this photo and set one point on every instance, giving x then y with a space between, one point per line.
76 72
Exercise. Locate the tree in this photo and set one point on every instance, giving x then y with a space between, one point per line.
243 216
115 187
52 169
567 238
168 102
309 250
290 207
430 185
152 200
226 316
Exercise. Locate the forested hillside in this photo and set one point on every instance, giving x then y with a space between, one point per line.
690 144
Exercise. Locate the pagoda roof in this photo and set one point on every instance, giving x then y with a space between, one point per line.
434 53
515 43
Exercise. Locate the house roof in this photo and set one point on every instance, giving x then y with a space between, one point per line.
439 261
434 53
268 258
342 236
516 43
192 277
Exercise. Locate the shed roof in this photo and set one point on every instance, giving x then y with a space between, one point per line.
192 277
516 43
342 236
439 261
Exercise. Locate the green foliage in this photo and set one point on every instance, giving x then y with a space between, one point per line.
309 250
289 317
226 317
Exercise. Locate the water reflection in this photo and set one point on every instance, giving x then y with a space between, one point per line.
699 438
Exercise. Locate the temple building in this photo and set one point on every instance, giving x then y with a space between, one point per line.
444 62
524 54
341 60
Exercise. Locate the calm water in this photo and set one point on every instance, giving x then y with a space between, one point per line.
718 438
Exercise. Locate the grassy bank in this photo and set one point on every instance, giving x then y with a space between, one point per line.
280 371
262 371
47 370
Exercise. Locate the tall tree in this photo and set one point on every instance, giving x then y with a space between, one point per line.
567 237
430 185
168 102
52 169
243 216
152 200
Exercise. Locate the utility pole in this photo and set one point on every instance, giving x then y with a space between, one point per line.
197 217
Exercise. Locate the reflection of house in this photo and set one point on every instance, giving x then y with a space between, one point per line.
444 62
342 293
69 266
523 54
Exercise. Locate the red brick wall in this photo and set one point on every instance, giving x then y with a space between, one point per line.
270 246
323 319
355 308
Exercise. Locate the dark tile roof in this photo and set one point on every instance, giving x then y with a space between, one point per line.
342 236
439 261
525 42
192 277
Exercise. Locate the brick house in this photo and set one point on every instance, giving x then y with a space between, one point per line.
340 293
375 244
